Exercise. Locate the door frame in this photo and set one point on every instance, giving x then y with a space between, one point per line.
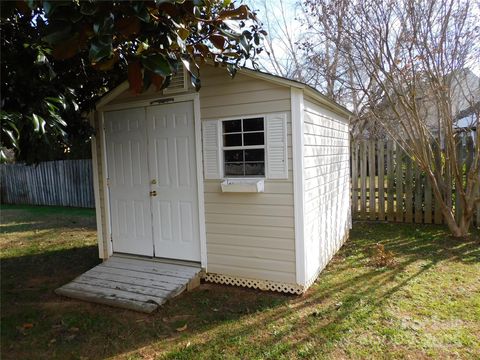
174 99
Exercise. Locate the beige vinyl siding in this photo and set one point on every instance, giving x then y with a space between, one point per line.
326 185
248 235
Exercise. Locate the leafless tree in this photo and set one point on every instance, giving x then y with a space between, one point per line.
281 56
407 61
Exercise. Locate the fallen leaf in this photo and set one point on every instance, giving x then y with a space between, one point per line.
27 326
74 329
183 328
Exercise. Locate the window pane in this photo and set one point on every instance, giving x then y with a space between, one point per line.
255 124
253 139
255 155
232 140
232 126
255 168
233 155
234 169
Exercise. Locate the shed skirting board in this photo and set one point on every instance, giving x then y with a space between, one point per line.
255 283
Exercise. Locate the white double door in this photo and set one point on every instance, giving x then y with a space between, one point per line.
152 181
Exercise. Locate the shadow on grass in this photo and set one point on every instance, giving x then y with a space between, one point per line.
221 320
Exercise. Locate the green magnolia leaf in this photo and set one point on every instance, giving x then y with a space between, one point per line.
158 64
38 123
105 25
99 51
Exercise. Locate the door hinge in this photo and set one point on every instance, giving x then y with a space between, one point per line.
108 182
111 238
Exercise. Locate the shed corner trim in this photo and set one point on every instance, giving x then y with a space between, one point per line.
298 183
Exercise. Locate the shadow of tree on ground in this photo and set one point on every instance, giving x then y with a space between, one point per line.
353 310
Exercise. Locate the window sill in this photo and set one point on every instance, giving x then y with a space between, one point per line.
243 185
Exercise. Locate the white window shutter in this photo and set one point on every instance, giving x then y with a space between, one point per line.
277 162
211 150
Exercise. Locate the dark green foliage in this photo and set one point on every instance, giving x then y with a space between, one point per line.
59 57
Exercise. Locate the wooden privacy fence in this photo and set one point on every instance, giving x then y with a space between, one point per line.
387 185
62 183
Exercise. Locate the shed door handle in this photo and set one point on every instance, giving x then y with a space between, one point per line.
153 193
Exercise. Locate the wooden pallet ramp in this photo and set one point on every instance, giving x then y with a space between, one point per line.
132 283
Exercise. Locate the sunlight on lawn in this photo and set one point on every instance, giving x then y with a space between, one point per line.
425 306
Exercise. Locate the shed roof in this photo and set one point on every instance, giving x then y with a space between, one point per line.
276 79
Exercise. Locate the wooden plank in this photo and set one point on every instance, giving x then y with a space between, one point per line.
459 186
111 300
150 283
354 150
398 184
148 269
390 182
428 201
363 180
408 190
121 294
438 217
371 186
125 286
381 180
63 183
418 195
138 275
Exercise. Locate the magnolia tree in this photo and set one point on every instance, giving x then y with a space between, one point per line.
408 62
58 57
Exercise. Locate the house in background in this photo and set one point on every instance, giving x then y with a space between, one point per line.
247 179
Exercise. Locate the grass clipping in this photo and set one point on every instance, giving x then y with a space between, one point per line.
382 258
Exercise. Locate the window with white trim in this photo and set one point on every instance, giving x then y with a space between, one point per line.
244 147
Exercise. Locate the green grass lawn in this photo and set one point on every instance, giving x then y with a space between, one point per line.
426 306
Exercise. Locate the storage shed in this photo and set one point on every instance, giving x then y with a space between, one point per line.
248 178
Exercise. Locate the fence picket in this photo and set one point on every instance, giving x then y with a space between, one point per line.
418 195
381 180
63 183
363 180
398 184
390 182
372 186
408 190
458 202
354 149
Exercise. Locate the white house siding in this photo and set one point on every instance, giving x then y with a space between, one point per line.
248 235
326 187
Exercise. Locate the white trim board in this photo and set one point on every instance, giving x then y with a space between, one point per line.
298 183
96 189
